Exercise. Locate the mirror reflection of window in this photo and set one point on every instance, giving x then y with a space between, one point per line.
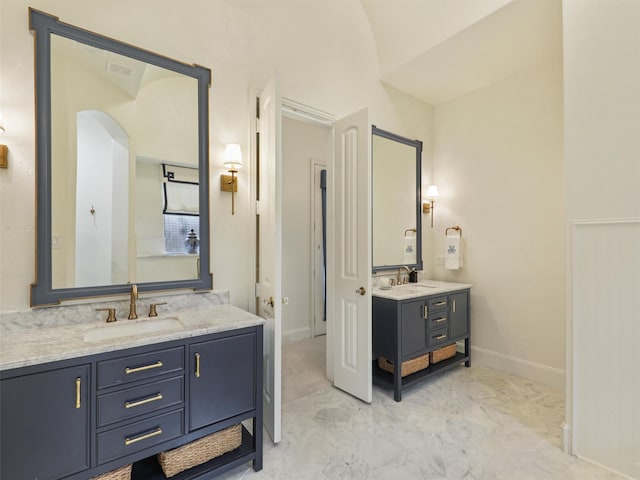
181 206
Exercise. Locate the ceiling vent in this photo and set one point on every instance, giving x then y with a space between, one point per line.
119 69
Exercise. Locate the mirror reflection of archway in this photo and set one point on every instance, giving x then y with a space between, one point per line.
102 200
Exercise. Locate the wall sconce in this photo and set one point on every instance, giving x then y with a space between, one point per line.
432 195
233 161
4 156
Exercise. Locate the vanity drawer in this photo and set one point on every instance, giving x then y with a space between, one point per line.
138 436
438 320
435 304
437 337
135 401
135 367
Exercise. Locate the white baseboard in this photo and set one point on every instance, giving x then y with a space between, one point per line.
566 438
604 467
553 377
296 334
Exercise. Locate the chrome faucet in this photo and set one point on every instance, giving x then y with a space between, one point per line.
132 306
400 281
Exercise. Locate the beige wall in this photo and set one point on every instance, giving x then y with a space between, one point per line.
324 53
498 155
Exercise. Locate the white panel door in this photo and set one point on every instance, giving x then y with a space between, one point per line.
270 254
350 256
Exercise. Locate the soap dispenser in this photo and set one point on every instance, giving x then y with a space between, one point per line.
413 275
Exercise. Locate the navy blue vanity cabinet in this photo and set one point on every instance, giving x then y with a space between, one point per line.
413 328
45 423
459 327
140 402
405 329
222 380
79 418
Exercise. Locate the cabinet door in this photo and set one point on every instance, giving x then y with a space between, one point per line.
458 315
222 379
413 327
45 424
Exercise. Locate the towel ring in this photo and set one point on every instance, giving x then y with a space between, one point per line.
457 228
409 230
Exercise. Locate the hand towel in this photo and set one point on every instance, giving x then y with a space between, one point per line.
409 250
453 252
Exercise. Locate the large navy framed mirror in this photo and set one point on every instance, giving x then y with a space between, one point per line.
116 126
396 197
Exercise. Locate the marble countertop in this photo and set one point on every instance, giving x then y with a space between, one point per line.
420 289
31 346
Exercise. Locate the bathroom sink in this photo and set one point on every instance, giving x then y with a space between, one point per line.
126 328
409 290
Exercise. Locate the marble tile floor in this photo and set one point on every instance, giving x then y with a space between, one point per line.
468 423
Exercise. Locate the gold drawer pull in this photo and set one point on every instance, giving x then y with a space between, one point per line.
440 304
142 402
440 320
78 381
442 336
129 370
425 311
129 441
453 306
197 365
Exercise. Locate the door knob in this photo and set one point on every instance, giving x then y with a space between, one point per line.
271 302
362 291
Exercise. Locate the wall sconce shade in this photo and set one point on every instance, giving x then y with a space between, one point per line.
432 192
431 195
233 161
232 156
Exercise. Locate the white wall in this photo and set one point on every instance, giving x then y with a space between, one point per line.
602 151
324 52
302 145
498 164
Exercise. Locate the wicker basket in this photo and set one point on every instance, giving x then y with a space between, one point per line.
200 451
123 473
408 367
443 353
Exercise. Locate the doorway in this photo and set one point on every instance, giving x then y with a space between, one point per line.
306 149
347 344
102 199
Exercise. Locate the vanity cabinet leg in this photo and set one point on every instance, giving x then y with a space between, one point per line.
257 443
467 351
397 380
258 420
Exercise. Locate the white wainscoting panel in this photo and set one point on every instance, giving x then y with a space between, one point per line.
606 343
